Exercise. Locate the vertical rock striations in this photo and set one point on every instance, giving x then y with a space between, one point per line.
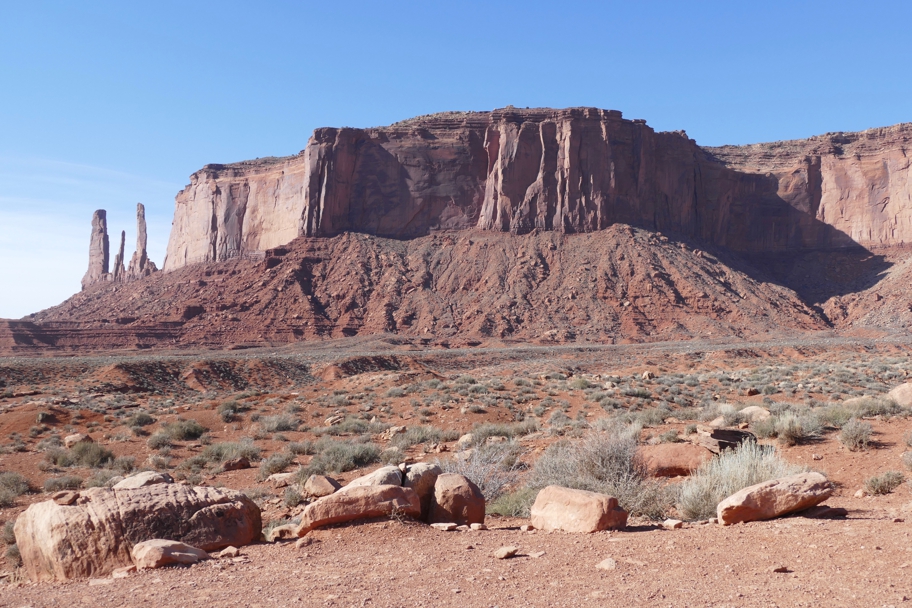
119 272
572 170
140 264
98 250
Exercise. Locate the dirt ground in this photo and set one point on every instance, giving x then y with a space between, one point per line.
861 560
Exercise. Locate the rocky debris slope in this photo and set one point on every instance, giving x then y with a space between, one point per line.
570 170
463 287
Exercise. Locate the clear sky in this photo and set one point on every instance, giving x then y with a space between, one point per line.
106 104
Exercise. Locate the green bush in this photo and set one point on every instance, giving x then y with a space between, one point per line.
856 435
727 473
184 430
229 450
91 455
140 419
885 483
292 497
422 434
281 422
13 557
159 440
275 464
339 456
100 479
229 410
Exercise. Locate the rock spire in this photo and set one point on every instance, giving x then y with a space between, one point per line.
98 249
140 264
99 252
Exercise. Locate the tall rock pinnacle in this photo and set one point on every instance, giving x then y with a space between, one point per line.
119 271
98 250
140 265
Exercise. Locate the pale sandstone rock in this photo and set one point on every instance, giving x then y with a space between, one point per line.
118 272
505 552
71 440
286 532
359 502
606 564
755 413
123 572
66 497
280 480
384 476
478 527
456 499
321 485
444 527
902 394
95 535
98 250
775 498
140 264
673 459
672 524
141 480
421 477
229 552
570 510
157 553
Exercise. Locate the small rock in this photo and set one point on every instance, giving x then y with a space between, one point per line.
672 524
236 464
463 528
444 527
71 440
536 554
606 564
478 527
860 494
816 456
65 498
141 480
94 582
304 541
280 480
526 528
156 553
123 572
898 520
228 552
781 569
321 485
505 552
286 532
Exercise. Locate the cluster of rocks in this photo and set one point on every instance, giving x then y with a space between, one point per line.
100 249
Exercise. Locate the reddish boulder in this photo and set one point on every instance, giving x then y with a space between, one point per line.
775 498
359 502
570 510
674 459
456 500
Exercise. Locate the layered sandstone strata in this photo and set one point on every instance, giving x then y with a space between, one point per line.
573 170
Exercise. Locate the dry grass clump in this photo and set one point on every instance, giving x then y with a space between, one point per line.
84 454
231 450
12 485
332 456
727 473
275 464
423 434
66 482
856 435
884 483
279 423
183 430
481 432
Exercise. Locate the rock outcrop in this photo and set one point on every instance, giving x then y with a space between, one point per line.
98 250
119 272
571 170
96 533
140 264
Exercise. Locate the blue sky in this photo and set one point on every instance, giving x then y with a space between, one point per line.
106 104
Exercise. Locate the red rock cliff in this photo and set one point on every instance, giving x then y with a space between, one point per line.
573 170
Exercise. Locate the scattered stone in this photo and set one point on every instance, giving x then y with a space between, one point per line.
647 375
861 493
359 502
558 508
781 569
505 552
816 457
95 582
321 485
465 442
456 499
716 440
141 480
463 528
304 541
384 476
236 464
672 524
673 459
158 552
478 527
280 480
755 413
445 527
286 532
66 497
526 528
536 554
898 520
123 572
228 552
333 420
606 564
95 535
750 392
391 432
775 498
71 440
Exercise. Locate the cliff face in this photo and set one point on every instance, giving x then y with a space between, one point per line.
574 170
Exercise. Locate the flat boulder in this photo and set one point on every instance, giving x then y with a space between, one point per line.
558 508
456 499
384 476
755 413
321 485
774 498
902 394
96 533
359 502
673 459
71 440
158 552
141 480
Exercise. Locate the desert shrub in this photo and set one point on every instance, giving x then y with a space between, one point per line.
490 467
124 464
856 435
91 455
301 448
159 440
184 430
339 456
416 435
100 479
727 473
513 504
140 419
392 456
7 534
873 406
764 429
352 426
229 450
13 557
49 443
884 483
834 415
792 429
12 485
669 437
275 464
65 482
608 463
580 383
229 410
292 497
281 422
481 432
395 392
